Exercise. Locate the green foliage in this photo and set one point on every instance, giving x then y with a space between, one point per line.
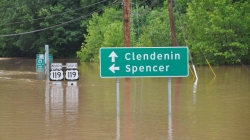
214 29
105 30
25 16
113 35
219 30
155 32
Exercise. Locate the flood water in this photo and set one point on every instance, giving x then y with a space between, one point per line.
31 107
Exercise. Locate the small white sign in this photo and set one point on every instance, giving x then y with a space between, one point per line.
56 75
55 66
71 65
72 75
41 56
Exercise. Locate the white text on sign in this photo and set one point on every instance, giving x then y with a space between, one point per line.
155 68
72 75
56 75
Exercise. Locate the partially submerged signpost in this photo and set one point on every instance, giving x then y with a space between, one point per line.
54 71
71 73
47 60
40 63
57 74
131 62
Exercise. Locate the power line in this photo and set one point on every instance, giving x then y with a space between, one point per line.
183 32
62 24
147 10
11 23
182 27
137 14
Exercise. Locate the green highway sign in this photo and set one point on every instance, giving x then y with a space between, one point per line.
40 58
123 62
39 63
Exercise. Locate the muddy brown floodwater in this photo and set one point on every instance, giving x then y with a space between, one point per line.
32 108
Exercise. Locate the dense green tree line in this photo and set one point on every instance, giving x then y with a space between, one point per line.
212 29
148 28
26 26
215 30
219 30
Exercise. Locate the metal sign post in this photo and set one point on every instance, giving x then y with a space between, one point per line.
169 97
117 110
126 62
47 60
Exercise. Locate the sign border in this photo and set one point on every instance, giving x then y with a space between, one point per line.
70 79
141 48
56 70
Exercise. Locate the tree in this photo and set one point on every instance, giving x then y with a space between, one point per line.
155 32
103 31
35 16
219 30
106 30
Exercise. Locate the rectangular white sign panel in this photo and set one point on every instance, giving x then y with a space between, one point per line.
71 65
56 66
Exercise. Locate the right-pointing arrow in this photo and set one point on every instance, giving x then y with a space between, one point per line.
113 68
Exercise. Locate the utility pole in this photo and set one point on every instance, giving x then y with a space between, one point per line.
127 101
172 24
174 43
126 22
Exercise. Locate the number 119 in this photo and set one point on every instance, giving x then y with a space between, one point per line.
71 74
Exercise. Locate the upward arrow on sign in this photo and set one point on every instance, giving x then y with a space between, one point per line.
113 56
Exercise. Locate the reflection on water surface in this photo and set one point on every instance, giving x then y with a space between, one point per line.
32 108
